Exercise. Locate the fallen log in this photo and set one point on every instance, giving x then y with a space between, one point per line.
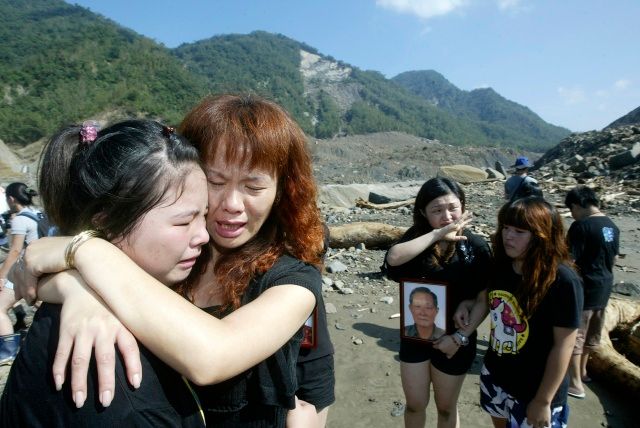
366 204
373 235
632 348
606 362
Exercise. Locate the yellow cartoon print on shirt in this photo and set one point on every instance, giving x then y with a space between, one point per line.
509 330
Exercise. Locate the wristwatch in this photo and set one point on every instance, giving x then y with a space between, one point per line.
464 340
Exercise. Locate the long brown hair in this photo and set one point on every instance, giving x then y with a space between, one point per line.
257 132
546 251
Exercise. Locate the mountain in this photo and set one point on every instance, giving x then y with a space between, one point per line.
326 97
500 118
631 118
62 63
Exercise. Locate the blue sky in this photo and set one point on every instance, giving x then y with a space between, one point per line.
576 63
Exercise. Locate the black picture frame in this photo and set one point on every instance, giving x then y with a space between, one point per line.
408 327
309 333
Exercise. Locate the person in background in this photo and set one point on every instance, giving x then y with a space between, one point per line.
139 185
438 247
519 177
594 243
260 278
535 299
24 230
4 226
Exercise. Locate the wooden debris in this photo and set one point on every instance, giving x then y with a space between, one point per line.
366 204
611 196
606 362
373 235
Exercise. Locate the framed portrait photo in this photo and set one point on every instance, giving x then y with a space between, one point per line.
309 334
423 310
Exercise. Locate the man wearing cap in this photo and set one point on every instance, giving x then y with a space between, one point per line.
519 177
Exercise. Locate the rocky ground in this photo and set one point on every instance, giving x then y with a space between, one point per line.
367 340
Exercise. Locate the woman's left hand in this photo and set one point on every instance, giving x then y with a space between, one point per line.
538 414
447 345
86 323
462 314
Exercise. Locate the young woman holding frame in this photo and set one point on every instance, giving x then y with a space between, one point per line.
438 247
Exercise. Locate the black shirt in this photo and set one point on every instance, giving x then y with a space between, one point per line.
519 346
594 243
30 398
262 395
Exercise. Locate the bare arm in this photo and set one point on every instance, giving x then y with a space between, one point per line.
17 243
403 252
209 350
538 410
478 311
468 316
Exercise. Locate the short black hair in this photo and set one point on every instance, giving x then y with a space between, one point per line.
22 193
426 291
583 196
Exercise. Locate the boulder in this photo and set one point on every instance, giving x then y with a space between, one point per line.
463 174
492 173
499 167
375 198
345 195
626 158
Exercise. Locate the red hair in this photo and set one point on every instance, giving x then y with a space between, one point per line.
259 133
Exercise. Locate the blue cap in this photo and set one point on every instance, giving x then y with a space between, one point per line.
522 162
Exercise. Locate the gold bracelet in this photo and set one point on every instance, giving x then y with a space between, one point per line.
76 241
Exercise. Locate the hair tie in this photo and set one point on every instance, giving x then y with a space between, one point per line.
88 132
168 131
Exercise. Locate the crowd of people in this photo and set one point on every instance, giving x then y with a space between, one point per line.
198 253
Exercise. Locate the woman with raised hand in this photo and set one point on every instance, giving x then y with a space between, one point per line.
438 247
535 300
259 279
140 187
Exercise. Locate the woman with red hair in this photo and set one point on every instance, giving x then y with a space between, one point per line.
535 301
259 278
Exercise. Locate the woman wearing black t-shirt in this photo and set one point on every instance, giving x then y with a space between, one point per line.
535 299
437 247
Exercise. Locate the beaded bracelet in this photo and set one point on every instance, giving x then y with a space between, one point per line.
76 241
